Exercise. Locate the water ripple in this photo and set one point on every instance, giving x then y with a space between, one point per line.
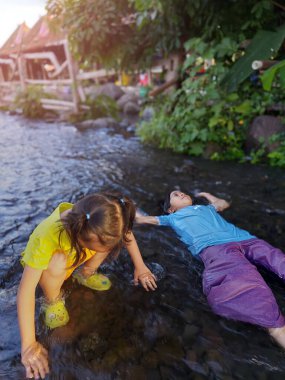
127 333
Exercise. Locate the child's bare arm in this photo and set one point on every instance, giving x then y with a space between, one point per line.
218 203
142 272
34 355
145 219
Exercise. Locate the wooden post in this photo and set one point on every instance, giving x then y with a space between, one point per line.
72 75
1 89
163 87
149 77
80 89
1 74
21 71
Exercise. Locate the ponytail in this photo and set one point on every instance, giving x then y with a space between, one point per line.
107 215
128 212
73 224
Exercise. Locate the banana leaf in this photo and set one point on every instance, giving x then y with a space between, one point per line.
264 45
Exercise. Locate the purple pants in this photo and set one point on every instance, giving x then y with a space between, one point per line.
233 286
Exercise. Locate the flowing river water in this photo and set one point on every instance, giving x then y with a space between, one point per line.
127 333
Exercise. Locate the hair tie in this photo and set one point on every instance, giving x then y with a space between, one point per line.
121 200
87 216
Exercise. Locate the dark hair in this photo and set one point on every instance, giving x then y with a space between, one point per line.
195 201
108 216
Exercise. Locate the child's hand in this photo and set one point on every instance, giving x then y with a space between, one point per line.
139 213
218 203
146 278
142 218
35 361
87 271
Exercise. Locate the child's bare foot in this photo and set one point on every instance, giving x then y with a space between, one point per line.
278 334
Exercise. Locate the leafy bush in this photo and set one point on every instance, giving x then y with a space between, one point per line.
4 108
277 158
29 101
200 114
101 106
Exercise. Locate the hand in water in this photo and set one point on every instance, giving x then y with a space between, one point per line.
146 278
87 271
35 361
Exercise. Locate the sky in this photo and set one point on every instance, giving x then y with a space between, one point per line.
15 12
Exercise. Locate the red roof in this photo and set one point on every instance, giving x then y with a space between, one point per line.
41 35
15 41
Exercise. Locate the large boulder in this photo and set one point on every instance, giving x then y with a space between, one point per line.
113 91
126 98
109 89
131 108
148 113
260 132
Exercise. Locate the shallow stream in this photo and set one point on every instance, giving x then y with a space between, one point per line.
126 333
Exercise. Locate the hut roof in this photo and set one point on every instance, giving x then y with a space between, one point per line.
41 35
15 41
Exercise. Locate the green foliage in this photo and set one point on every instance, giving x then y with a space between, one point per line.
200 115
274 158
270 74
101 106
4 108
174 22
127 32
258 156
277 157
264 45
29 102
98 30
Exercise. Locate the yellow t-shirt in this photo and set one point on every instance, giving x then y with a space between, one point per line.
44 242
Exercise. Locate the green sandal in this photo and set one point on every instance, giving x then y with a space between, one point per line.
55 314
96 281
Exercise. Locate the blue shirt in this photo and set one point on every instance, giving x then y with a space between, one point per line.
201 226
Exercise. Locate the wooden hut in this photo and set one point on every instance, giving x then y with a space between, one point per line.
41 57
10 54
44 52
46 61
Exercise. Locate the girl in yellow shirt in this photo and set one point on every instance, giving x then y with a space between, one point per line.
84 235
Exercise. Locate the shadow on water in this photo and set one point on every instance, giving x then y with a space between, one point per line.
127 333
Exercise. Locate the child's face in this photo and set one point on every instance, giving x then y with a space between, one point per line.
179 200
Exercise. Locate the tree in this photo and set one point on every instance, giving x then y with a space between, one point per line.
128 32
98 30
